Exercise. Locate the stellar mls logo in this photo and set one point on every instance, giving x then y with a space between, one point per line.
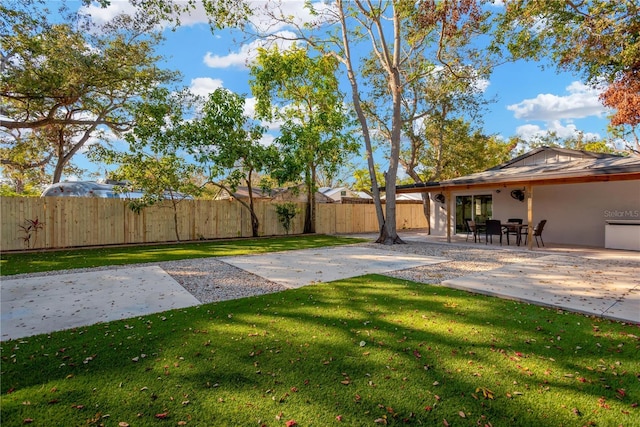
622 214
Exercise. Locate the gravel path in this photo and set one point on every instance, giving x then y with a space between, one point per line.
209 279
212 280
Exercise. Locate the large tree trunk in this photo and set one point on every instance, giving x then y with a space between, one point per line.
389 234
355 97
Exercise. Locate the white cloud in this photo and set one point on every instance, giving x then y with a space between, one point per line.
106 14
267 140
101 15
481 85
250 111
203 86
268 16
248 52
582 101
531 132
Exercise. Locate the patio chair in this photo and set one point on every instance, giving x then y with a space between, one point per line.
537 232
493 228
511 230
472 228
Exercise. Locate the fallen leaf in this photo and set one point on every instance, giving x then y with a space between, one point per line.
162 416
291 423
488 394
462 414
123 424
27 421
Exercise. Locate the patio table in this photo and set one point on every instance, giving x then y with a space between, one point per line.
515 228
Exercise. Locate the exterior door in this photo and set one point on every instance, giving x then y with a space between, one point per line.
478 208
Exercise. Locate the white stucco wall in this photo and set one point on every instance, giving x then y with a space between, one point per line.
575 213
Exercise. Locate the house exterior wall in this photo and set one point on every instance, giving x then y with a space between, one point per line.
576 214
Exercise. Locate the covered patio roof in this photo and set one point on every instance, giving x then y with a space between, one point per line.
613 168
542 166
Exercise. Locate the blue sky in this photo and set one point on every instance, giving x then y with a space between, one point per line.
530 100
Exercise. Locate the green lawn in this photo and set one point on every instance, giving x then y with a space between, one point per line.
16 263
360 352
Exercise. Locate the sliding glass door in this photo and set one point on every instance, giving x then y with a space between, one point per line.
478 208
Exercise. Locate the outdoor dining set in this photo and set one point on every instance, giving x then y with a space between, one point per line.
512 227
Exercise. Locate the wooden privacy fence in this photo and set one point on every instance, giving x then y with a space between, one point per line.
76 222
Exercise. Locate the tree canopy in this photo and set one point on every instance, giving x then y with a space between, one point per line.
302 92
68 81
226 144
69 86
596 38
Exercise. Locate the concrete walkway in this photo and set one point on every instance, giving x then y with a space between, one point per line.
597 282
39 305
303 267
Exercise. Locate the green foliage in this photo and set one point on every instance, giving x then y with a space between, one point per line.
67 83
23 161
577 142
596 38
226 144
286 212
450 149
360 352
10 191
302 91
153 163
363 179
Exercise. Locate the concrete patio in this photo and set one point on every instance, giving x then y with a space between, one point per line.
598 282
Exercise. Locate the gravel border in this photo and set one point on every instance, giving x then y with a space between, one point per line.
210 280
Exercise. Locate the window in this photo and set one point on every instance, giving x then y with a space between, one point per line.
478 208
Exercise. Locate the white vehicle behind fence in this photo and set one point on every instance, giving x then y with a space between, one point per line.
97 189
